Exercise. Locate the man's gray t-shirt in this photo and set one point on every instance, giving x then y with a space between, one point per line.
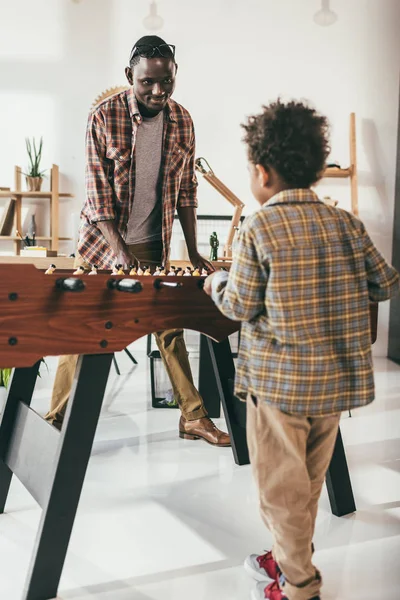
145 219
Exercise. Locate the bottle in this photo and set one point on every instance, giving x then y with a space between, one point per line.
32 230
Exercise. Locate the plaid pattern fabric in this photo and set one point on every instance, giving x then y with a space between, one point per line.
301 282
110 172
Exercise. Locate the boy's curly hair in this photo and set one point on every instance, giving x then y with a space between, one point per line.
291 138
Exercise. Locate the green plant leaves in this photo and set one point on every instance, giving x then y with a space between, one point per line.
5 375
35 156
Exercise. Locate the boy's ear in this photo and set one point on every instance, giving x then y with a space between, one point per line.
262 175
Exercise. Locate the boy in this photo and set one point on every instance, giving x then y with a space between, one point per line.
301 282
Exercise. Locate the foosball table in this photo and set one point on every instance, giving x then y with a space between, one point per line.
62 313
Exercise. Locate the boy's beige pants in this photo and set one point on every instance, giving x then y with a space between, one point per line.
172 349
290 455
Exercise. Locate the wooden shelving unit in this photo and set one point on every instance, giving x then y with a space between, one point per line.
351 171
53 195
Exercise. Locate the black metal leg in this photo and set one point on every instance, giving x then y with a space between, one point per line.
76 439
208 386
116 365
133 359
234 409
338 482
21 387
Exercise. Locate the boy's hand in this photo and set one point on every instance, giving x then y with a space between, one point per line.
208 283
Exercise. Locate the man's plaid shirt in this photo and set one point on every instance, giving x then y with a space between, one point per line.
301 281
110 172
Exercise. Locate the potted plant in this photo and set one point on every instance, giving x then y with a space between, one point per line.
34 176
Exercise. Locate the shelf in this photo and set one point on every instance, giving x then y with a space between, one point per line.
33 195
336 172
39 238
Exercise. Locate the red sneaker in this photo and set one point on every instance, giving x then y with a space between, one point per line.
271 592
262 567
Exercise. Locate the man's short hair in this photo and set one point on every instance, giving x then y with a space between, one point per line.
151 41
292 138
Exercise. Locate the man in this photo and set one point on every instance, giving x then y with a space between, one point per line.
140 150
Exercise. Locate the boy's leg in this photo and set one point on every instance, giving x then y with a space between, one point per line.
278 446
321 443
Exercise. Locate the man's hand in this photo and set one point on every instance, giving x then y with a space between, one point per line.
199 261
113 237
208 283
126 259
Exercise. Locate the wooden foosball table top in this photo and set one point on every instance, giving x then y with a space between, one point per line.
64 313
40 317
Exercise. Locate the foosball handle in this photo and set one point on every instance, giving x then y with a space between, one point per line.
159 283
133 286
70 284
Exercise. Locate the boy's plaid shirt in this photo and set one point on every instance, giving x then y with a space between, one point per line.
110 172
301 281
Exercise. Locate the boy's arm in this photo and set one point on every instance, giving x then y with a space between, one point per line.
383 279
240 294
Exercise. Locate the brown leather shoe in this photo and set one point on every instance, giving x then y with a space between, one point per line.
203 429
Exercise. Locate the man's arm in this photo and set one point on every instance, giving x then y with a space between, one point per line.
240 295
111 234
188 220
383 279
99 192
186 208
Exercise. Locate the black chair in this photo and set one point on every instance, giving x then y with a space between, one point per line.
133 359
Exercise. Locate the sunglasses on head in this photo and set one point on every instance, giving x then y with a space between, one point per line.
147 51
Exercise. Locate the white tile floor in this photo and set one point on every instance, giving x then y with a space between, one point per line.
163 518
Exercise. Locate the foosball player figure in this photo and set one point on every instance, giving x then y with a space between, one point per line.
115 269
172 271
140 271
179 271
204 272
133 270
162 272
79 271
187 272
50 270
196 272
93 270
157 272
147 272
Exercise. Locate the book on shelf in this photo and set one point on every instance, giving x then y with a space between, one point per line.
7 217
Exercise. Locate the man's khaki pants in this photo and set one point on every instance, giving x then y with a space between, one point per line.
172 349
290 455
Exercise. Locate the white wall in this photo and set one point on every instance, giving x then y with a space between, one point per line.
233 55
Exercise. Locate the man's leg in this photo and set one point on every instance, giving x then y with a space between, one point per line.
64 375
62 388
278 449
172 347
194 423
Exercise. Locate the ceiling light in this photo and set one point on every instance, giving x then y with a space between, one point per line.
325 16
153 21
